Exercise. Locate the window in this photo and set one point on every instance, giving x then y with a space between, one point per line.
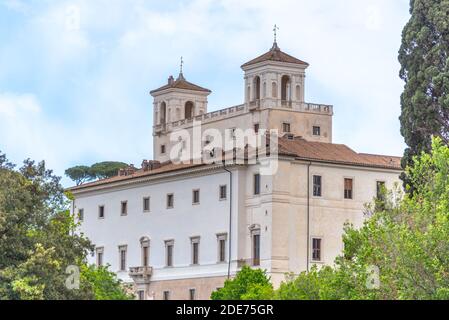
196 196
141 295
257 184
222 238
380 189
286 127
124 208
192 294
101 212
145 246
316 131
81 214
232 133
223 192
122 255
162 148
170 200
316 249
99 252
146 204
166 295
256 128
169 245
195 250
348 188
317 186
256 248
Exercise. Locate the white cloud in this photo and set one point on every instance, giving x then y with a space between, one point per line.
12 105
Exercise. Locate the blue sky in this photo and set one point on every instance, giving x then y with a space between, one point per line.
75 74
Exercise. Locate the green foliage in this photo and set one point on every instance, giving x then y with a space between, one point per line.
105 284
424 57
101 170
249 284
38 238
79 174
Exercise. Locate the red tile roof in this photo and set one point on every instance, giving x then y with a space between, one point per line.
181 83
275 54
334 153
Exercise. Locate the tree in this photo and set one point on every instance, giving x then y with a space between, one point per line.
39 238
79 174
108 169
249 284
101 170
424 58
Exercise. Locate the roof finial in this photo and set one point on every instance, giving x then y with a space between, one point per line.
181 65
275 29
275 44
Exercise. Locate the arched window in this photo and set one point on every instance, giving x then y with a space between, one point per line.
298 92
256 85
285 88
163 112
189 110
274 90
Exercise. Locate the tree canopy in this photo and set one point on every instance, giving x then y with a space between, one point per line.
424 58
38 240
101 170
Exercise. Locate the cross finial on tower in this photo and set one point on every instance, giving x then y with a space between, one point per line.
275 29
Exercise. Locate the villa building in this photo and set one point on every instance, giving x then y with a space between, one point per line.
179 230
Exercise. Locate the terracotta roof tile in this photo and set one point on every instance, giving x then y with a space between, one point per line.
181 83
275 54
165 167
335 153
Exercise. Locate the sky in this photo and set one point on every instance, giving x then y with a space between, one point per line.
75 75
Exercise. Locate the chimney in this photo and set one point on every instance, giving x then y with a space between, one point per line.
171 80
149 165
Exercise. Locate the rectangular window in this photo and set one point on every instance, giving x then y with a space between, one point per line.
192 294
222 238
166 295
81 214
317 186
316 131
257 184
196 196
223 192
170 200
169 245
316 249
256 128
146 204
256 249
286 127
348 188
380 189
122 253
141 295
195 250
162 148
124 208
145 255
101 212
99 256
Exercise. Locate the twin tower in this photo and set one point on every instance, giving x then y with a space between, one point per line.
273 81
